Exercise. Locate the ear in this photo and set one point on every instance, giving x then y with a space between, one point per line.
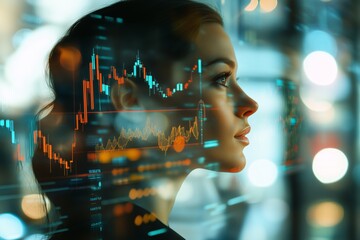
124 96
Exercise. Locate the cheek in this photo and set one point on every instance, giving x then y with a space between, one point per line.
219 127
220 117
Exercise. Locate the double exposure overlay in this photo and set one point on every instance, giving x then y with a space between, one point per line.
208 119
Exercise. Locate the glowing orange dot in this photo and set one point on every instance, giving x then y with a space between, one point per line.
70 58
140 193
168 164
152 217
187 162
147 192
133 194
118 210
128 207
146 218
35 206
92 156
104 157
252 5
268 5
138 220
135 177
179 144
133 154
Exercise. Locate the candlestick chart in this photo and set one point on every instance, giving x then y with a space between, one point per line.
96 90
8 124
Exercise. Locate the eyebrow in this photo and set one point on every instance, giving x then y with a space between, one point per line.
227 61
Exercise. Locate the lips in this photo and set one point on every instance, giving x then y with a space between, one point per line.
241 136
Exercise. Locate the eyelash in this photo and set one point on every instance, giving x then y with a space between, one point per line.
222 79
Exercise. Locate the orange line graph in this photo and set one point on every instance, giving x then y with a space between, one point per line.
150 129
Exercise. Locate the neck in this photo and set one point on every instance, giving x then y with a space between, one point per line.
163 200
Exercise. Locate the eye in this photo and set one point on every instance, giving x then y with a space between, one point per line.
222 79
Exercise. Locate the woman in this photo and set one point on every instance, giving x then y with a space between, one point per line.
145 91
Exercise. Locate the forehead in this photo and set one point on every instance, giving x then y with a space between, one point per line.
213 43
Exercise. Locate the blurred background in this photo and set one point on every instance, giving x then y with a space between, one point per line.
299 59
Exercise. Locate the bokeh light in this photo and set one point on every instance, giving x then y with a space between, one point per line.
317 106
262 173
37 237
268 5
275 209
252 5
318 40
325 214
312 102
330 165
35 206
320 68
339 90
11 227
323 118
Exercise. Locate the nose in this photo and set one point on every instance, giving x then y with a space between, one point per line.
244 106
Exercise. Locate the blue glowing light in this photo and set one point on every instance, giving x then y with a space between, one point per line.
157 232
320 41
11 227
211 143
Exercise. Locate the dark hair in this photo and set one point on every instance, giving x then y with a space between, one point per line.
159 30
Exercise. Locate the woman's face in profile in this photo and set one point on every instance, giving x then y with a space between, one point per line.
227 106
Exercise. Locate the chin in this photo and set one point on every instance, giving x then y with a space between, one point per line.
236 167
